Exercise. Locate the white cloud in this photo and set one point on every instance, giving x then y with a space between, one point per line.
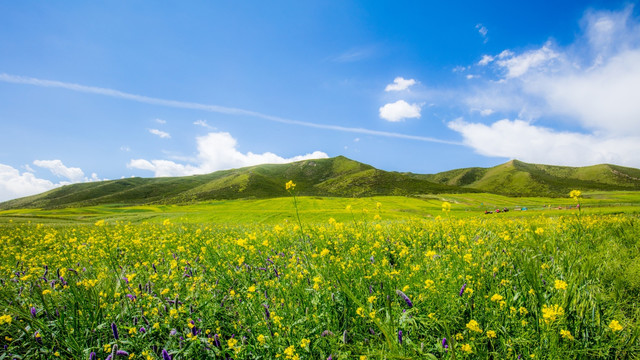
518 65
400 84
160 133
590 86
14 184
355 54
482 30
486 59
486 112
216 151
520 140
57 168
399 111
205 107
604 98
160 121
203 123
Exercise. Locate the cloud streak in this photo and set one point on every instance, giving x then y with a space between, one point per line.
7 78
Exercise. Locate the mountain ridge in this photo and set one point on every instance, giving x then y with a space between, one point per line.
337 176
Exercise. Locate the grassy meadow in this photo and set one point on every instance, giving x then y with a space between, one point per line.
325 278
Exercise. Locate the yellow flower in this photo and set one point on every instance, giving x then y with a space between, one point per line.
491 334
474 326
261 339
304 343
372 299
560 285
551 313
290 351
251 288
446 206
614 325
566 334
539 231
360 311
363 357
5 319
466 348
290 185
523 310
575 194
496 297
428 284
232 343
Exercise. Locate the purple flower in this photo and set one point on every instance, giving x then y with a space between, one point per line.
92 356
400 336
462 289
444 342
122 353
267 314
405 298
165 355
114 328
34 312
143 330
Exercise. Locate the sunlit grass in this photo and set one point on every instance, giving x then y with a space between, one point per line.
545 287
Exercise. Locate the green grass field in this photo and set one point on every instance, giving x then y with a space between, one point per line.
318 209
365 278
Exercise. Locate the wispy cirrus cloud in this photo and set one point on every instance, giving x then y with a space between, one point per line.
161 134
209 108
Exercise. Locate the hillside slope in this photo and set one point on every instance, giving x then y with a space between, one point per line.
517 178
337 176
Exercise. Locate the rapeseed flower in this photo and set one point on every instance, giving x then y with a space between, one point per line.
474 326
614 325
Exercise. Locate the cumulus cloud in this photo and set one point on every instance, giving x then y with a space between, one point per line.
160 121
57 168
521 140
160 133
216 151
589 86
604 98
400 84
399 111
14 184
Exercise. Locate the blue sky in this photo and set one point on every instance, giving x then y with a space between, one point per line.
111 89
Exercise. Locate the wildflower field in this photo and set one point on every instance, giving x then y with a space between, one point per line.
364 287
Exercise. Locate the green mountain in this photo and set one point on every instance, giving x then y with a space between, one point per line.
340 177
337 176
516 178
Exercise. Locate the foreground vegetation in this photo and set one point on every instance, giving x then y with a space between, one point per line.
360 287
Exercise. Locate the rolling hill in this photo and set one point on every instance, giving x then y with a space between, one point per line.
517 178
339 177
